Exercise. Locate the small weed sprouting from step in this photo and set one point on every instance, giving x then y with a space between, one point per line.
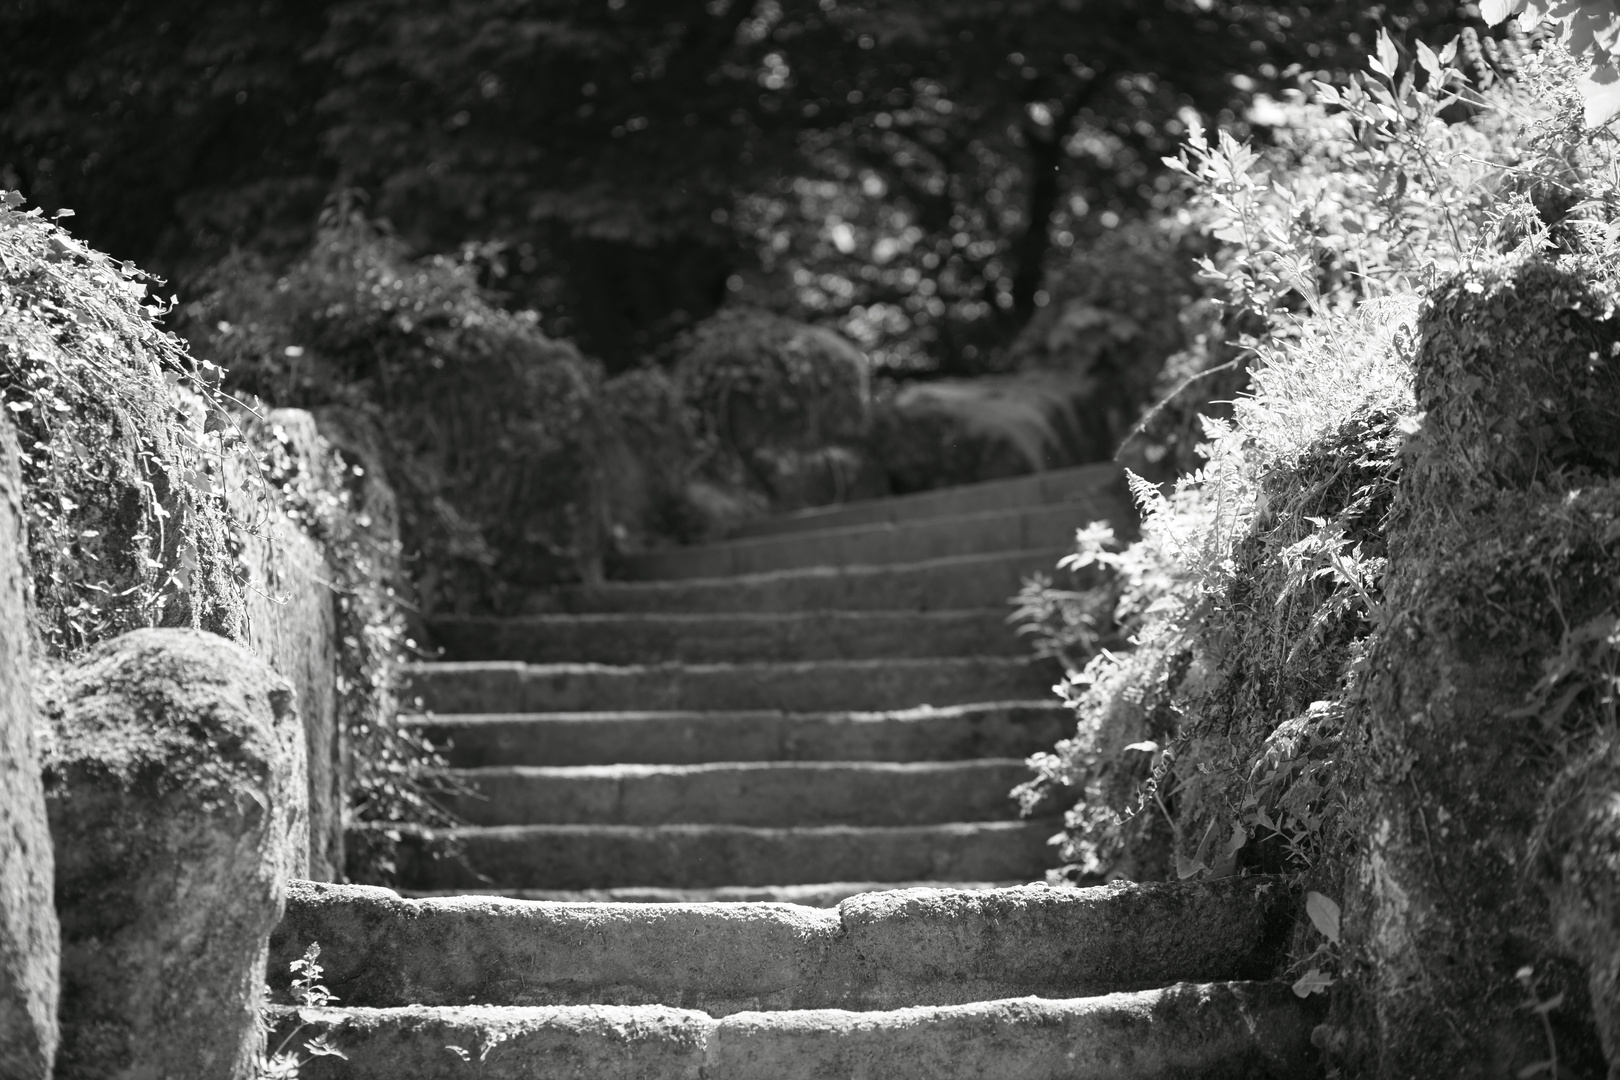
490 1041
1324 915
307 993
1533 1003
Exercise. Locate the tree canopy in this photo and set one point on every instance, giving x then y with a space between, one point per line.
908 170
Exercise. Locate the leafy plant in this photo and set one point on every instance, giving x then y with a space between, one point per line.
125 442
1257 586
488 425
285 1062
1589 29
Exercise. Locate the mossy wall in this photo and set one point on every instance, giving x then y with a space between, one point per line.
1479 689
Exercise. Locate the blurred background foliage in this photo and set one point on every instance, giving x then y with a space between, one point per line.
604 274
908 171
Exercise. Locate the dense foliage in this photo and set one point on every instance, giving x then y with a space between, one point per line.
487 424
145 480
908 171
1232 732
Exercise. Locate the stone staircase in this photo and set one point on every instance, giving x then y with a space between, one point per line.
759 789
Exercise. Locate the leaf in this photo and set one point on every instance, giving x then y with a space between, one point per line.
1497 11
1387 54
1542 1008
1312 982
1324 915
1147 746
1601 92
1186 868
1430 63
11 199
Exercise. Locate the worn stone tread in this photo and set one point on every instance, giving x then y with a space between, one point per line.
965 581
816 686
764 794
877 950
703 856
927 733
823 894
884 543
710 639
1050 486
1220 1031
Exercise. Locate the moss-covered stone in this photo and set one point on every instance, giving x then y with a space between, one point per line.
175 789
1501 549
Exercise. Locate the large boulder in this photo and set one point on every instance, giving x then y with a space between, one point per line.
175 788
28 928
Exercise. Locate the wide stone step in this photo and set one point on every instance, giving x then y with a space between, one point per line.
883 544
1224 1031
875 951
704 856
821 894
949 733
1054 486
707 639
817 686
765 794
970 581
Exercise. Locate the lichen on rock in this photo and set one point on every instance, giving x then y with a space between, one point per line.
175 793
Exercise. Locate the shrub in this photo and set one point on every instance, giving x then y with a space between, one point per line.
488 424
769 392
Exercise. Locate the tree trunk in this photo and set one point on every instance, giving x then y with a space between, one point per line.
1046 154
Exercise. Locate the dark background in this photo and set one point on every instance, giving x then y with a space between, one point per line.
908 171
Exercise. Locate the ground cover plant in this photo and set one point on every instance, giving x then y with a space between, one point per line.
1386 597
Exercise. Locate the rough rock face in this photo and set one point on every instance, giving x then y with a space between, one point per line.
28 928
291 626
175 787
1501 590
1579 858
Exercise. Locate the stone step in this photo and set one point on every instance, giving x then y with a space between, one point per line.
875 951
821 894
1054 486
644 638
707 856
761 794
969 581
883 544
948 733
817 686
1221 1031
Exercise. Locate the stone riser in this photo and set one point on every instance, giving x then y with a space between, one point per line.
778 795
725 639
826 686
1209 1032
960 732
882 545
1056 486
974 581
704 856
873 952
